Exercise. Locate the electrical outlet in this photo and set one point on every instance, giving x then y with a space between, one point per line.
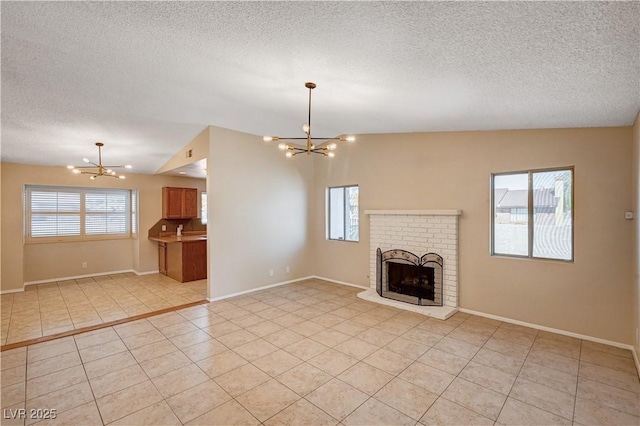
164 227
287 269
84 265
270 272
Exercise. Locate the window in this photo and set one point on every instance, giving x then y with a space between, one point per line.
532 214
342 213
64 214
134 213
203 209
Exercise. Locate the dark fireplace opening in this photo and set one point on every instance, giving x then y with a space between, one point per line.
406 277
412 280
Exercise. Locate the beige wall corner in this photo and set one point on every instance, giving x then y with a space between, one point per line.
258 213
635 327
452 170
194 151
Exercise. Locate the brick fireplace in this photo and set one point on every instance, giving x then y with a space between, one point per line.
419 232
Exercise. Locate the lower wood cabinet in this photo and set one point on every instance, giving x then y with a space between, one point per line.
186 261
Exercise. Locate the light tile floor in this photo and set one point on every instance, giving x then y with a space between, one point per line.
51 308
312 353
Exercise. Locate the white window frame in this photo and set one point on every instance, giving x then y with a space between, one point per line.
130 214
345 213
530 213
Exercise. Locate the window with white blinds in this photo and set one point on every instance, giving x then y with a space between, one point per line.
65 213
203 208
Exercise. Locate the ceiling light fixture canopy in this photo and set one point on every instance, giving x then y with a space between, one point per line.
101 170
292 150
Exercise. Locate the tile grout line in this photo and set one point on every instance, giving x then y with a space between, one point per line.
462 369
95 400
575 399
518 374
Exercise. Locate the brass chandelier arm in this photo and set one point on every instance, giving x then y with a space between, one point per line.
310 148
98 166
102 170
101 174
302 139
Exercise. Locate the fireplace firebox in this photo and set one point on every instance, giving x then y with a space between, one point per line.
403 276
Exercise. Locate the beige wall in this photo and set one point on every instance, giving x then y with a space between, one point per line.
452 171
258 213
36 262
635 322
199 147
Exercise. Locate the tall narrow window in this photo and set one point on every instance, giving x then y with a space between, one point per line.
203 208
533 214
134 213
342 213
66 214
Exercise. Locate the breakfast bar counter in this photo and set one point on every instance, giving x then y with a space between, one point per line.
182 258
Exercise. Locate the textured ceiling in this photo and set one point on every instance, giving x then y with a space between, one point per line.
147 77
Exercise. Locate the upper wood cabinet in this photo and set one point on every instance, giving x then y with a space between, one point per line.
179 203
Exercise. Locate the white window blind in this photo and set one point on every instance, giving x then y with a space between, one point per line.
61 213
203 209
54 213
134 212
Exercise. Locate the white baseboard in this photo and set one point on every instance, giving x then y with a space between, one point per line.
338 282
13 290
311 277
75 277
138 273
253 290
551 330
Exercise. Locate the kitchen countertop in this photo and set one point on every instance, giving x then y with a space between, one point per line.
182 239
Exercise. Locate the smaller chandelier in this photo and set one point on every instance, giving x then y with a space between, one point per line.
292 150
99 169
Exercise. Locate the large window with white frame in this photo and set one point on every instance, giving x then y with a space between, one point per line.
532 214
58 214
342 213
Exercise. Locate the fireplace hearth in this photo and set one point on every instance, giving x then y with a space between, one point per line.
406 277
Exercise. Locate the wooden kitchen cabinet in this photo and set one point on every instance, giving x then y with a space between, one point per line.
179 203
187 260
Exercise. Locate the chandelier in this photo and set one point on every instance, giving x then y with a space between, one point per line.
311 148
99 169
